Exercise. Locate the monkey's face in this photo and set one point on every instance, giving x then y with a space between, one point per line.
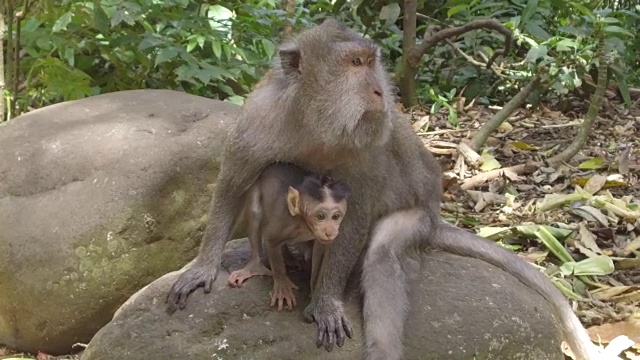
324 220
344 95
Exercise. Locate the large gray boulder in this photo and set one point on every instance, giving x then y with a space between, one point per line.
462 309
98 197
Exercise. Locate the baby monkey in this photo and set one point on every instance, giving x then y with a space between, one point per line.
289 205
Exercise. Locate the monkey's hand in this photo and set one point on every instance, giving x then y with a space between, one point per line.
192 278
333 325
283 292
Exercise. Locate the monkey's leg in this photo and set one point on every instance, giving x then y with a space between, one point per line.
386 272
224 212
317 255
340 258
458 241
254 267
282 285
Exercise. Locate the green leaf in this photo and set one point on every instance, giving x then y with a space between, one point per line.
493 232
530 231
574 31
69 56
456 9
165 54
62 22
528 11
536 53
617 30
566 44
149 42
489 162
269 47
235 99
610 20
583 10
390 13
553 245
191 45
593 266
204 76
453 116
622 86
593 164
216 46
537 31
101 21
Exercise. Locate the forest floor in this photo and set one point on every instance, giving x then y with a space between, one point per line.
591 205
593 201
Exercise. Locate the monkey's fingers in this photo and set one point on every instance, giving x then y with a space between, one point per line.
208 284
321 334
291 300
348 329
332 329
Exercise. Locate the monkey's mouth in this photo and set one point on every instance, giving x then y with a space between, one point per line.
373 115
325 240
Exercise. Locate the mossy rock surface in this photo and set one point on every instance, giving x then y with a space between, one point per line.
462 309
98 197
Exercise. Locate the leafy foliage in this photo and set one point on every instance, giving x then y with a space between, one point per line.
77 48
71 49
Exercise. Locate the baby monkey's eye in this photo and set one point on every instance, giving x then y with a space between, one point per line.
320 217
336 217
357 62
370 62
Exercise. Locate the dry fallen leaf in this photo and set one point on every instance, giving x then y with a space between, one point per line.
607 332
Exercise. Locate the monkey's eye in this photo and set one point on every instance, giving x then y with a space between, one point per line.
370 62
320 217
335 217
357 62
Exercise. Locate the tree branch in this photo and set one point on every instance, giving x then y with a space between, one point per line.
431 40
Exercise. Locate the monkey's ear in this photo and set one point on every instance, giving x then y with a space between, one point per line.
293 201
290 60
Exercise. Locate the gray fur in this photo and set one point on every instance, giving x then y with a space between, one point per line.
327 119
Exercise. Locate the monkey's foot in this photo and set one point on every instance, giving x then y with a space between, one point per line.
283 291
333 325
237 277
191 279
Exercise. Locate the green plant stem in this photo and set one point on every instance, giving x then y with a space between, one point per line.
490 126
592 113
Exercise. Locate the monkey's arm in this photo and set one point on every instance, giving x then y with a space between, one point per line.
232 183
339 260
317 256
282 285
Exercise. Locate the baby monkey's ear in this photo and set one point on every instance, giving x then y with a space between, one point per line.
293 201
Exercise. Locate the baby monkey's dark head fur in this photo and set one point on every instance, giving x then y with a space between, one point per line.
320 186
339 89
322 203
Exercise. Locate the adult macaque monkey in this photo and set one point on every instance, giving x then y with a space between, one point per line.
327 105
289 205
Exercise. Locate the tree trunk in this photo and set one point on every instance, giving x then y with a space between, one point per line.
408 76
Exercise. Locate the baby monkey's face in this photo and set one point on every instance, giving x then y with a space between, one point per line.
324 219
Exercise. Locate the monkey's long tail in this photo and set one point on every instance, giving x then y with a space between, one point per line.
386 273
460 242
